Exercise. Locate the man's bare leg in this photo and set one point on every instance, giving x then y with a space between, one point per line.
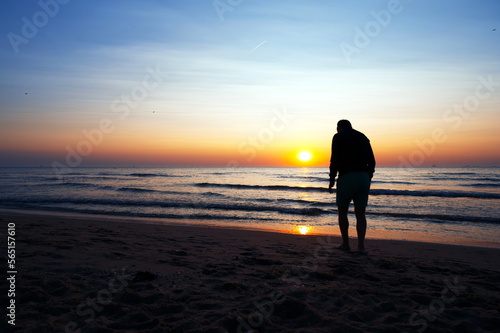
344 227
360 213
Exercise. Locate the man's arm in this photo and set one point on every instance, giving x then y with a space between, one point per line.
333 167
371 160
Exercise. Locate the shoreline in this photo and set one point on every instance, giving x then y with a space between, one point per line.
147 224
332 230
111 276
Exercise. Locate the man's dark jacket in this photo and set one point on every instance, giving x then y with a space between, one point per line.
351 152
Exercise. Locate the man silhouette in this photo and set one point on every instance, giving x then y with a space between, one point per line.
353 160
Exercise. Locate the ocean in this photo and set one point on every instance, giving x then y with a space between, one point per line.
450 205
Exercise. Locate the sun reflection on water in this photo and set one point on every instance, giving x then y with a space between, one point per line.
303 229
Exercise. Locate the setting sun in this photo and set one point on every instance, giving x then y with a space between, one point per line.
304 156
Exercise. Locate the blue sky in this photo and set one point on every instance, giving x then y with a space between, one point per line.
227 76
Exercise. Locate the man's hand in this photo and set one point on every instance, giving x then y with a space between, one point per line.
332 182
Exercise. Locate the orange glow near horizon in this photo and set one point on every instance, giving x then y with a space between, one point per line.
126 147
163 154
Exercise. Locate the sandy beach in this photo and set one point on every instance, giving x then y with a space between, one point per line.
75 275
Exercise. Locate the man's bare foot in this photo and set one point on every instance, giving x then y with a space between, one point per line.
344 247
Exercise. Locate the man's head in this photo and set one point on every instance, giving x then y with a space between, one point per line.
343 125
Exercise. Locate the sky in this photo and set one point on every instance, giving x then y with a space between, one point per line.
247 82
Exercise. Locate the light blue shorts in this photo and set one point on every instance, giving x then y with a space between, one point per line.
353 186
